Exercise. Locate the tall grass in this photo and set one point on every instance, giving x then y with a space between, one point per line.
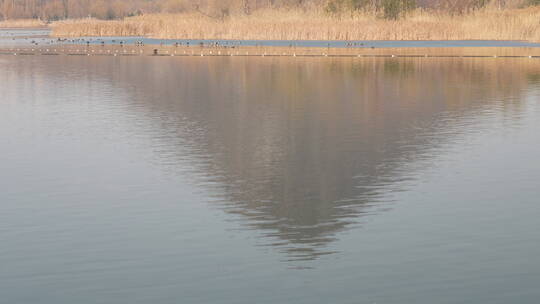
488 23
22 23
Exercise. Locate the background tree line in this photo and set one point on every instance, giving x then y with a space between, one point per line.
49 10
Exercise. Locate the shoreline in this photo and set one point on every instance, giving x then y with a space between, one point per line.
35 37
25 28
253 51
23 24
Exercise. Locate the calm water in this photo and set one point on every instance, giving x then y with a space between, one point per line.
26 37
269 180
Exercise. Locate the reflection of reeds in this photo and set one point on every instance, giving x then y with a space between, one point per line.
516 24
22 23
305 146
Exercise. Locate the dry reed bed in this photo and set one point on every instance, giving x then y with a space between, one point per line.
22 23
492 24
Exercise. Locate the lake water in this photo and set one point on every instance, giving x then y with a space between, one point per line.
269 180
41 37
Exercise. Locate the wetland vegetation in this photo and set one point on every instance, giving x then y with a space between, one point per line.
283 20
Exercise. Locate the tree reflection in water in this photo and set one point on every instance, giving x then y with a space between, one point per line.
302 148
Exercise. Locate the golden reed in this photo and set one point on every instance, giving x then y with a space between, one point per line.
22 23
489 23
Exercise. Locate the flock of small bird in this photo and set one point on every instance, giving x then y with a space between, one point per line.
215 44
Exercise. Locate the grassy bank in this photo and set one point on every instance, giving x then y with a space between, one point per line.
515 24
22 23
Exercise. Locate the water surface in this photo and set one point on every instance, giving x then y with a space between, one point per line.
269 180
25 37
